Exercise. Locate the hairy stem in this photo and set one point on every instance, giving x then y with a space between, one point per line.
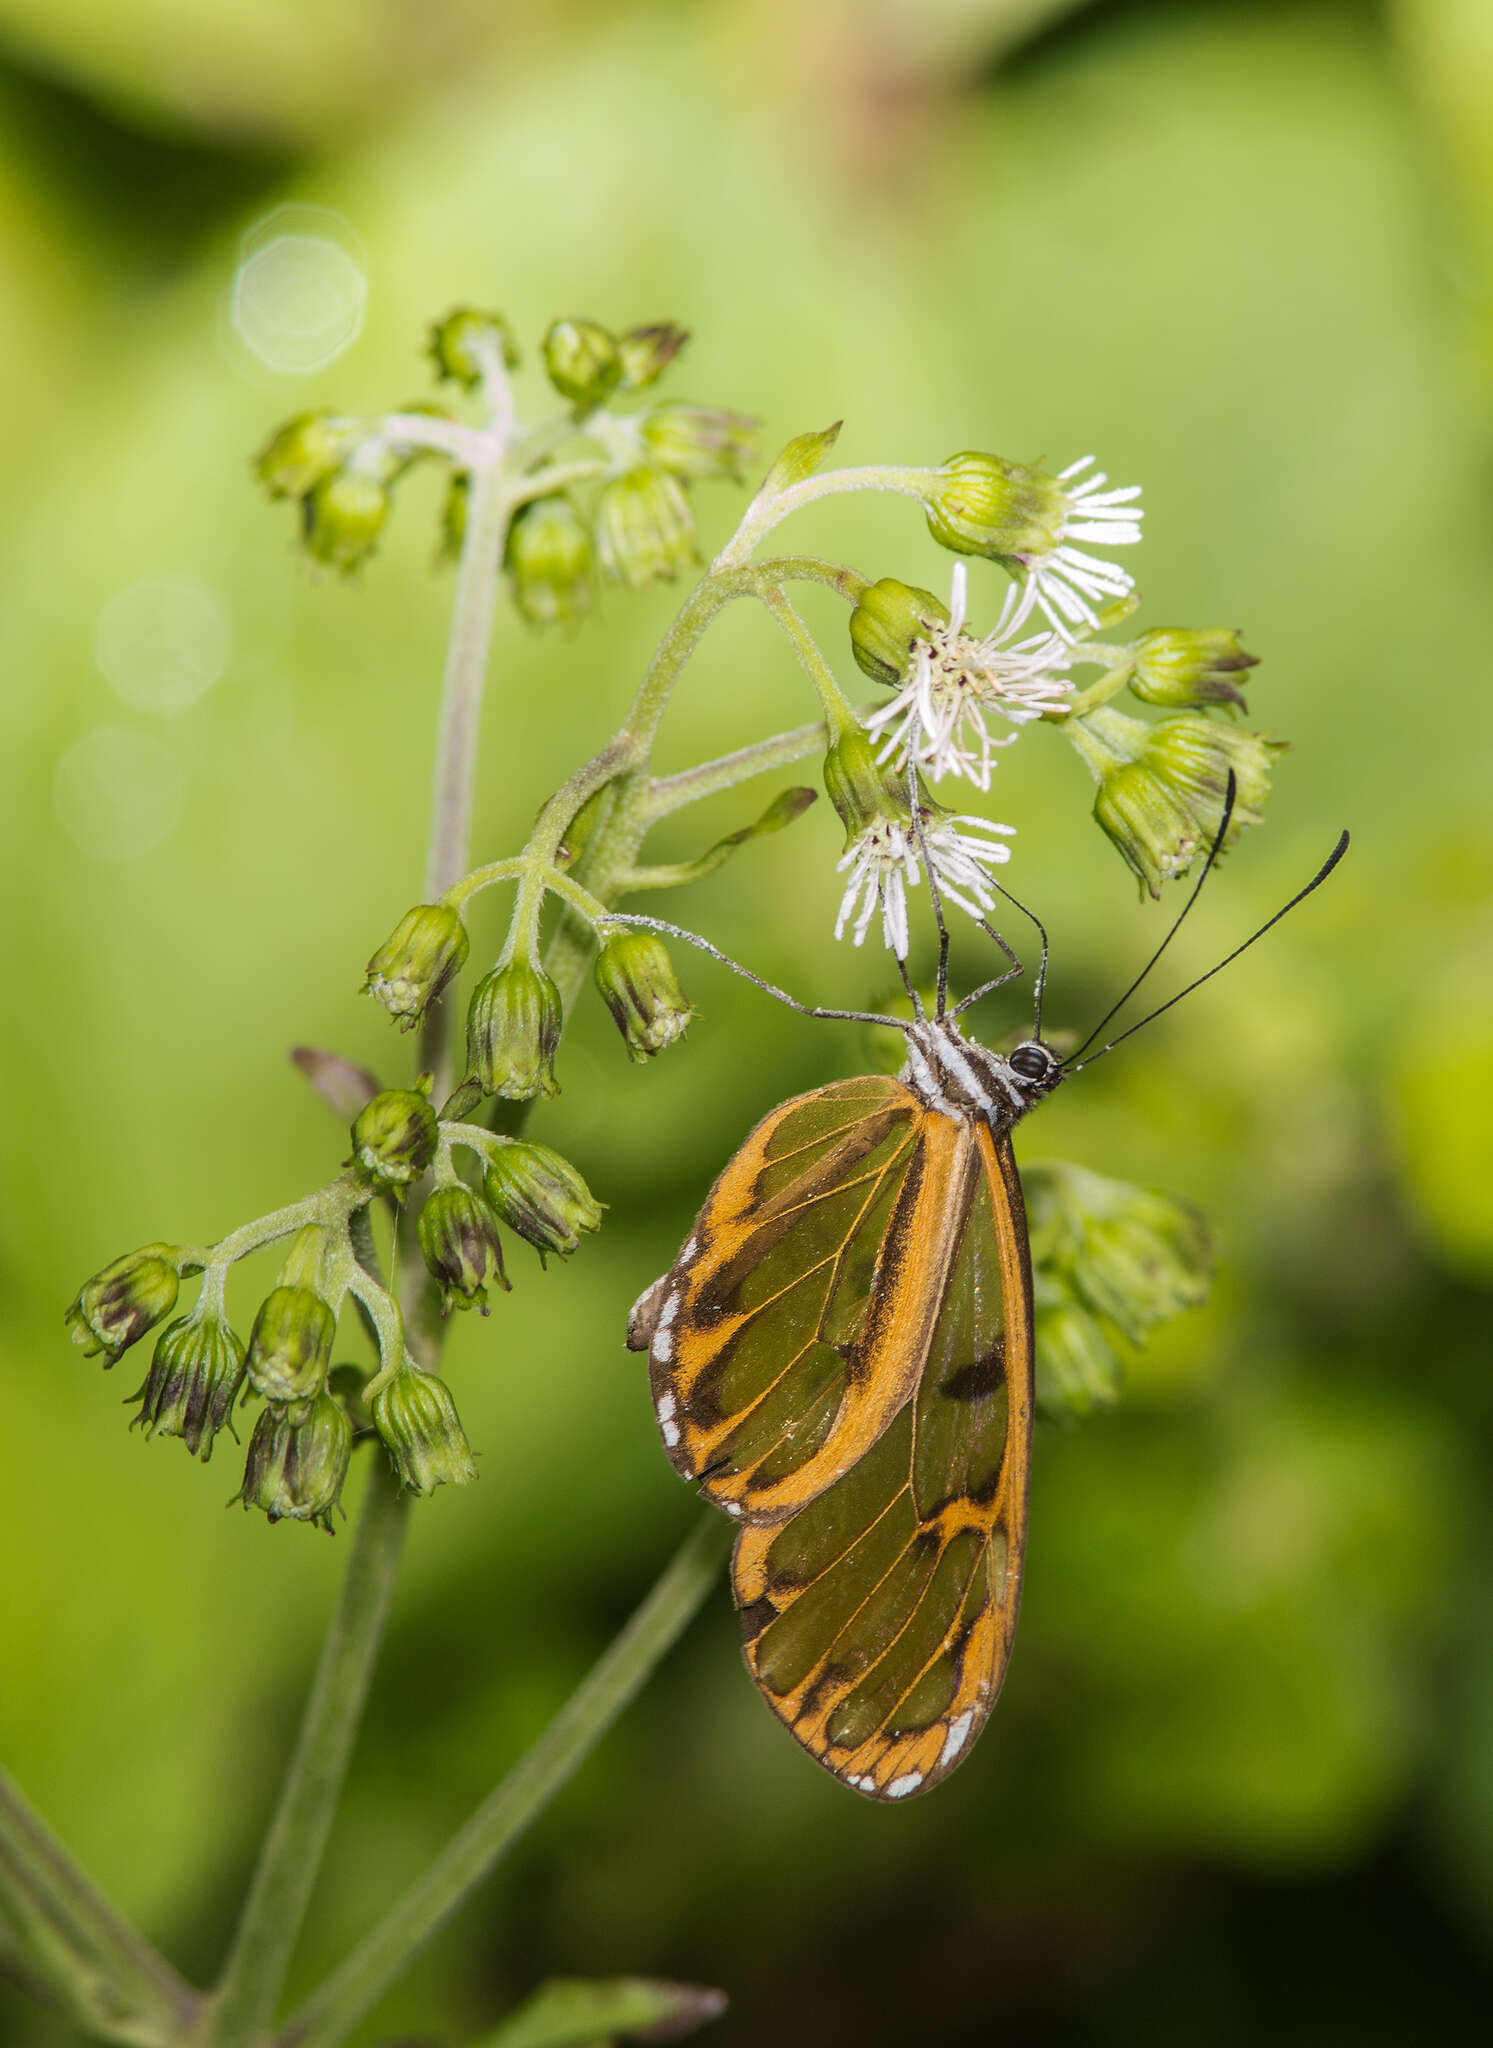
672 792
761 519
838 716
245 1999
502 1817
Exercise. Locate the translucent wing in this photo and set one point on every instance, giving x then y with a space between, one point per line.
796 1320
879 1615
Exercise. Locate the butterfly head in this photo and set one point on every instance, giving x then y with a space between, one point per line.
950 1073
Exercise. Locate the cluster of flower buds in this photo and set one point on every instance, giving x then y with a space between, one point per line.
301 1445
1109 1261
533 1190
1161 787
626 512
342 472
515 1016
642 523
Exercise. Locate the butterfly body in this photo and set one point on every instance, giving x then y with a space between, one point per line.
841 1358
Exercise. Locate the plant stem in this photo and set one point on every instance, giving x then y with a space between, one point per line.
761 519
502 1817
838 716
672 792
245 1999
76 1943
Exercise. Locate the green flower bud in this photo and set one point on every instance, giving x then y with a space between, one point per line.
637 982
415 962
194 1375
416 1417
698 440
394 1139
889 619
540 1196
582 360
548 558
982 505
466 343
862 789
342 517
459 1238
646 352
116 1307
644 528
1077 1370
1162 786
298 455
295 1470
290 1346
1178 667
513 1027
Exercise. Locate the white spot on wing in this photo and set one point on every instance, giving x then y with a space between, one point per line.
732 1507
663 1346
691 1250
668 1312
666 1407
900 1787
956 1738
670 1433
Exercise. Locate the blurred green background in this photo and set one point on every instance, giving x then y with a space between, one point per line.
1241 1778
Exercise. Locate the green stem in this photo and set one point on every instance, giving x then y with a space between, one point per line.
247 1993
760 520
78 1945
489 508
672 792
838 716
502 1817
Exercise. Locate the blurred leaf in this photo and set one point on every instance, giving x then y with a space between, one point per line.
569 2012
1445 1103
268 71
1448 52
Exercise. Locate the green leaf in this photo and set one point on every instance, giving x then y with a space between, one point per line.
784 808
570 2012
797 463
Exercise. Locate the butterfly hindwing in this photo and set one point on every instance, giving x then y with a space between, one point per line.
879 1615
795 1322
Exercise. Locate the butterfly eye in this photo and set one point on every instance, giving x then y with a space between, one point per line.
1031 1062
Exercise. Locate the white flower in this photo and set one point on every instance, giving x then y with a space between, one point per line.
1063 582
938 716
885 858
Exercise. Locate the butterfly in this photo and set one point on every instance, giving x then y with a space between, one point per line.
841 1358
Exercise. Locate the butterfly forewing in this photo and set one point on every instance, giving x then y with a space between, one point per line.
879 1615
796 1320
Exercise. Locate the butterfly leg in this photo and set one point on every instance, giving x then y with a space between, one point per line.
676 931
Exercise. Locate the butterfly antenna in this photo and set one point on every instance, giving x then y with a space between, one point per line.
1230 792
935 893
677 931
1300 897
